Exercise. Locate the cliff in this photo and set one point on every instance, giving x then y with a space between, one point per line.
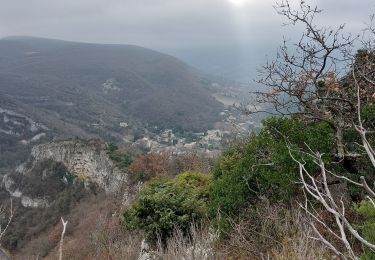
88 160
52 167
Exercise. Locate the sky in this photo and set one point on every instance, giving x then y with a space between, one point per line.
219 36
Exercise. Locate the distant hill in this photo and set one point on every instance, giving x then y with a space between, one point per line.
82 88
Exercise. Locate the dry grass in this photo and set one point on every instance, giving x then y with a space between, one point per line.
273 232
200 244
83 221
109 241
269 232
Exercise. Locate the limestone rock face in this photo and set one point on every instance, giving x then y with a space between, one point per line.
56 166
88 160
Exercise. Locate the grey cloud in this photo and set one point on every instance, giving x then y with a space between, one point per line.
162 23
251 31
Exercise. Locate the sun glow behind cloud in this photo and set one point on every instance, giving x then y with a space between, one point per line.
238 3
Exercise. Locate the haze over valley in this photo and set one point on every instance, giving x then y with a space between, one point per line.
167 129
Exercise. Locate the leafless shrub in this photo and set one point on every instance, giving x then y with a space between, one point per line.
64 223
200 244
189 162
319 190
311 77
110 241
321 78
273 232
298 242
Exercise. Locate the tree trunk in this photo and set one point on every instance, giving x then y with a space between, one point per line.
340 142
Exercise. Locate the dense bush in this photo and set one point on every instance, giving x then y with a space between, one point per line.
121 158
262 165
367 227
166 205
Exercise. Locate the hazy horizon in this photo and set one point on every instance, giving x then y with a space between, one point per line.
227 37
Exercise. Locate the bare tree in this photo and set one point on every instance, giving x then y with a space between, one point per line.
319 190
321 79
64 223
311 77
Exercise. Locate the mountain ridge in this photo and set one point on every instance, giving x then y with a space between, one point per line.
133 80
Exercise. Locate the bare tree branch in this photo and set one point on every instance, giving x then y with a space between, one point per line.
10 217
64 223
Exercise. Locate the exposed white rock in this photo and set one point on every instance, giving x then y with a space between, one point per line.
9 132
7 182
110 85
124 124
21 168
86 159
28 202
33 139
34 126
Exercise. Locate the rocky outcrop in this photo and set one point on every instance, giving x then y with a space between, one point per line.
55 166
88 160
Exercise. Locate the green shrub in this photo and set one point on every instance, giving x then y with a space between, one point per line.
367 227
121 158
262 165
164 205
196 182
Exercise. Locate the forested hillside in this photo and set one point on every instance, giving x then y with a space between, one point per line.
82 84
301 187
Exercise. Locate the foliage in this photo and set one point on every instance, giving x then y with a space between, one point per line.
368 114
121 158
166 205
262 166
197 183
367 211
148 166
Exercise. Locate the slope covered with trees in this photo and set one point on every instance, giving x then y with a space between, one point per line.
84 84
301 188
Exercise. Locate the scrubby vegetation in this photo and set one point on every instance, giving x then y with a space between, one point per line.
301 188
120 157
261 165
251 196
166 205
366 210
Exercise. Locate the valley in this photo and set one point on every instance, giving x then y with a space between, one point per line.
187 130
52 89
64 105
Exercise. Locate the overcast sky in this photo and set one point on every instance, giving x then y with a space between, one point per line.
174 26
